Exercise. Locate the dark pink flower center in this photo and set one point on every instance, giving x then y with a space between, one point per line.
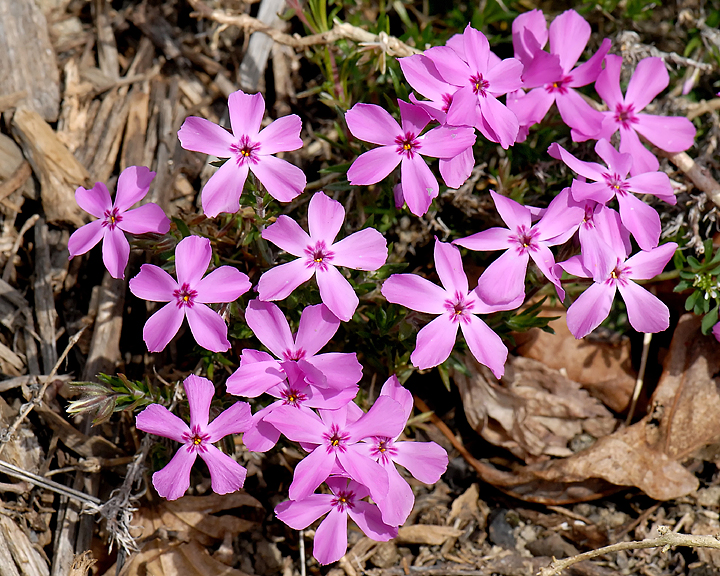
625 115
245 151
294 354
559 86
185 296
196 439
589 218
525 240
344 499
407 145
335 439
447 101
459 308
383 449
318 256
112 217
617 184
619 275
479 84
292 397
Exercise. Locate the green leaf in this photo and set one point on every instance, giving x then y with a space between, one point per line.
709 320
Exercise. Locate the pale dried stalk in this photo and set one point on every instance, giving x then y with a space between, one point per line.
666 540
699 176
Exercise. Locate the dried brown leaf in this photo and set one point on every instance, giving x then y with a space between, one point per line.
429 534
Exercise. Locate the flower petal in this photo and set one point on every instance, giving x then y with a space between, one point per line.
299 515
336 292
362 250
421 73
449 267
434 342
173 481
341 369
669 133
132 186
655 183
464 108
115 251
251 380
234 420
201 135
590 309
94 201
415 292
608 82
447 141
330 543
224 284
369 519
569 34
504 280
192 258
643 159
515 215
208 328
506 76
279 282
455 171
426 461
648 264
310 472
591 170
578 114
529 34
85 238
287 234
325 218
270 326
246 113
282 135
646 312
199 392
146 218
413 118
386 418
317 325
477 49
373 165
501 119
365 471
485 345
222 192
588 71
419 184
641 220
154 284
282 180
487 240
372 123
649 79
162 326
158 420
226 475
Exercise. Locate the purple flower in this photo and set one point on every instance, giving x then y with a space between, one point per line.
248 148
504 280
669 133
317 326
319 255
188 296
554 76
405 146
716 331
456 306
426 461
640 219
115 218
645 312
331 536
227 475
336 442
480 78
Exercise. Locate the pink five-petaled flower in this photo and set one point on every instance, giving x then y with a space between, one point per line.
569 34
248 148
645 312
669 133
337 444
227 475
115 218
481 77
317 325
188 296
457 308
330 542
426 461
640 219
319 256
504 280
405 146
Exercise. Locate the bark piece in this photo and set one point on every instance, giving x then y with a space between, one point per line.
104 353
44 297
429 534
27 58
256 56
27 558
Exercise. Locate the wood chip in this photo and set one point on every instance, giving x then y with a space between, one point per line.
429 534
44 298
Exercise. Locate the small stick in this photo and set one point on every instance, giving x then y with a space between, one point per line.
699 176
647 338
15 472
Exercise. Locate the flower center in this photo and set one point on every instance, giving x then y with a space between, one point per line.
336 439
617 184
245 151
525 239
294 355
318 256
185 296
383 449
196 439
112 217
407 145
479 85
625 115
459 308
559 86
344 499
292 397
619 273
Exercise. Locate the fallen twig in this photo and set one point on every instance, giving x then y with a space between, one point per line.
698 175
19 473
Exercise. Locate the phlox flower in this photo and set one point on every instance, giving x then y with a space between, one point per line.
317 326
331 542
457 307
504 280
426 461
115 218
197 440
641 220
247 148
480 77
553 77
188 296
403 144
716 331
646 312
669 133
319 255
335 444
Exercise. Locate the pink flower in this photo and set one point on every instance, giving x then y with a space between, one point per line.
248 148
226 475
457 307
317 326
645 312
115 218
554 76
319 255
669 133
188 296
504 280
331 542
426 461
480 78
641 220
716 331
405 146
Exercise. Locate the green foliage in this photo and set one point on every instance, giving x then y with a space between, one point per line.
702 279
